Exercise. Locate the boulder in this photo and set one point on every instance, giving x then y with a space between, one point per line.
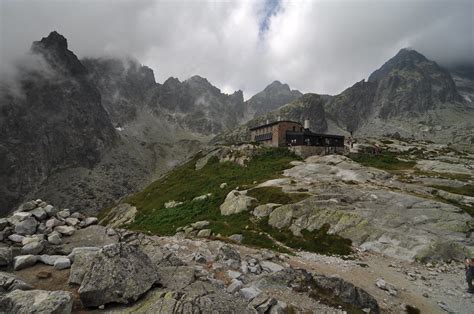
237 202
65 213
265 209
89 221
65 230
204 233
347 292
53 222
80 250
72 221
382 284
24 261
26 226
270 266
49 259
32 248
229 255
82 262
249 293
62 263
5 256
16 238
39 213
281 217
237 238
8 282
54 238
36 301
50 210
234 286
198 225
25 207
119 273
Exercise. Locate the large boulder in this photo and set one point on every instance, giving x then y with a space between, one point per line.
8 282
120 273
24 261
26 226
36 301
237 202
347 292
82 262
5 256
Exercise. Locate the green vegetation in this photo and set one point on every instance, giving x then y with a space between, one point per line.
273 194
384 161
443 175
467 209
467 189
184 183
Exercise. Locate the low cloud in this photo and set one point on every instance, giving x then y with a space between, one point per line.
317 46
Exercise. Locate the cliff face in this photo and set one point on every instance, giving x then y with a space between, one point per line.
57 121
271 98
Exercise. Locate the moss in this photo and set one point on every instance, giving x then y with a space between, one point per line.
273 194
467 189
385 161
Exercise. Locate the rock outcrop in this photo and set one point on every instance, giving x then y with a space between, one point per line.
36 301
119 273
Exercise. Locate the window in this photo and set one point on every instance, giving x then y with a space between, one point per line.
294 128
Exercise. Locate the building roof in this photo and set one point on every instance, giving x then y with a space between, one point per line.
273 123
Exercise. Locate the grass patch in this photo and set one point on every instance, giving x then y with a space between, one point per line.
312 241
384 161
274 194
184 183
443 175
467 189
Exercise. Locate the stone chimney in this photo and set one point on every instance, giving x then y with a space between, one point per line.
306 124
267 122
279 118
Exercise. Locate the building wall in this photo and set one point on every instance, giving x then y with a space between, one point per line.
279 134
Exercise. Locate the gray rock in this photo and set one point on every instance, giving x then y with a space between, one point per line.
50 210
27 226
82 250
234 286
223 185
62 263
3 223
347 292
36 301
249 293
264 210
65 213
237 238
262 304
32 248
120 273
39 213
198 225
234 274
49 259
41 228
8 282
5 256
270 266
82 262
53 222
72 221
27 206
89 221
382 284
237 202
65 230
54 238
204 233
177 278
24 261
16 238
229 255
30 239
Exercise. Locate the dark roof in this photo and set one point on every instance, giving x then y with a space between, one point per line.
306 132
273 123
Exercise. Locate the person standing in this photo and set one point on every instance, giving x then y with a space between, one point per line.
469 265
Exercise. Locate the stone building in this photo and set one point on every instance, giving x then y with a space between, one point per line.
300 138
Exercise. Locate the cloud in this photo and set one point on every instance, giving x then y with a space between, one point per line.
318 46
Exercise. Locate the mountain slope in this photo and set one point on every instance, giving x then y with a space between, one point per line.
57 121
271 98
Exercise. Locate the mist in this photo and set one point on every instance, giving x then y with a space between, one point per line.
314 46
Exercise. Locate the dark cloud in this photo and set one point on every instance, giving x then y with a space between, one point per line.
320 46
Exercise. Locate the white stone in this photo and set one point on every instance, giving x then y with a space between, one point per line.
24 261
16 238
64 213
234 286
250 293
62 263
65 230
204 233
270 266
234 274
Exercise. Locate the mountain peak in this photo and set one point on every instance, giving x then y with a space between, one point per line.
54 49
276 86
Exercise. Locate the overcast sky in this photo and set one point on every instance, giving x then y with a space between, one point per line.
314 46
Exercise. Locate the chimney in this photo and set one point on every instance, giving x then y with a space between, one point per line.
306 124
279 118
267 122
